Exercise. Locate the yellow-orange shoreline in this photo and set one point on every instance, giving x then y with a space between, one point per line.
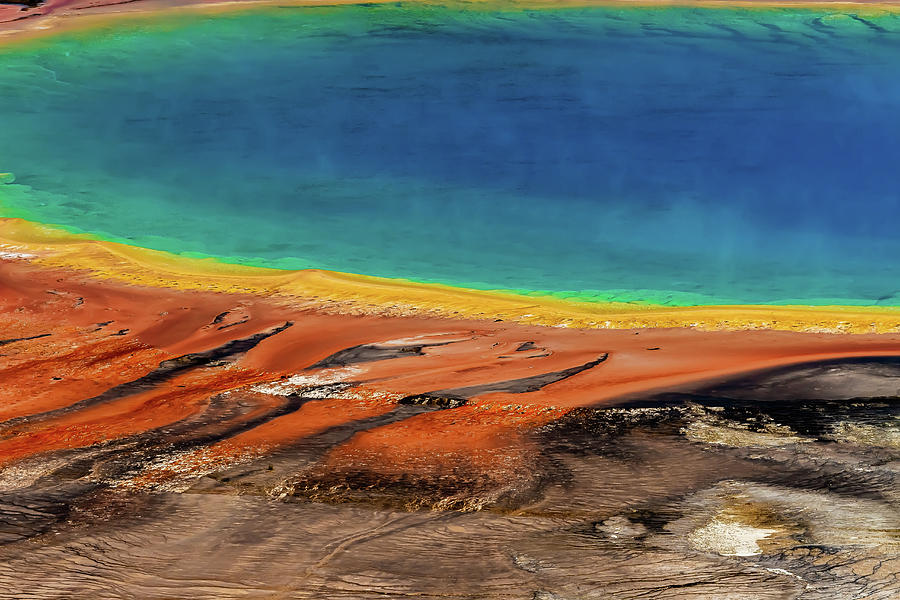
75 16
362 294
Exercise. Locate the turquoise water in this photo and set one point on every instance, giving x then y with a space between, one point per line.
673 155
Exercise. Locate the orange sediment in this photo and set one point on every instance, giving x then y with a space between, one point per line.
73 332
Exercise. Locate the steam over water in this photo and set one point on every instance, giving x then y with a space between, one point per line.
672 155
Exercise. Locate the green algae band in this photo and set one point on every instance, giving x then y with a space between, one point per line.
668 155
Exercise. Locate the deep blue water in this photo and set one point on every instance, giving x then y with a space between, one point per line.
673 155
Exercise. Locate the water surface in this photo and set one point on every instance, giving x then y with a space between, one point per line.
674 155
